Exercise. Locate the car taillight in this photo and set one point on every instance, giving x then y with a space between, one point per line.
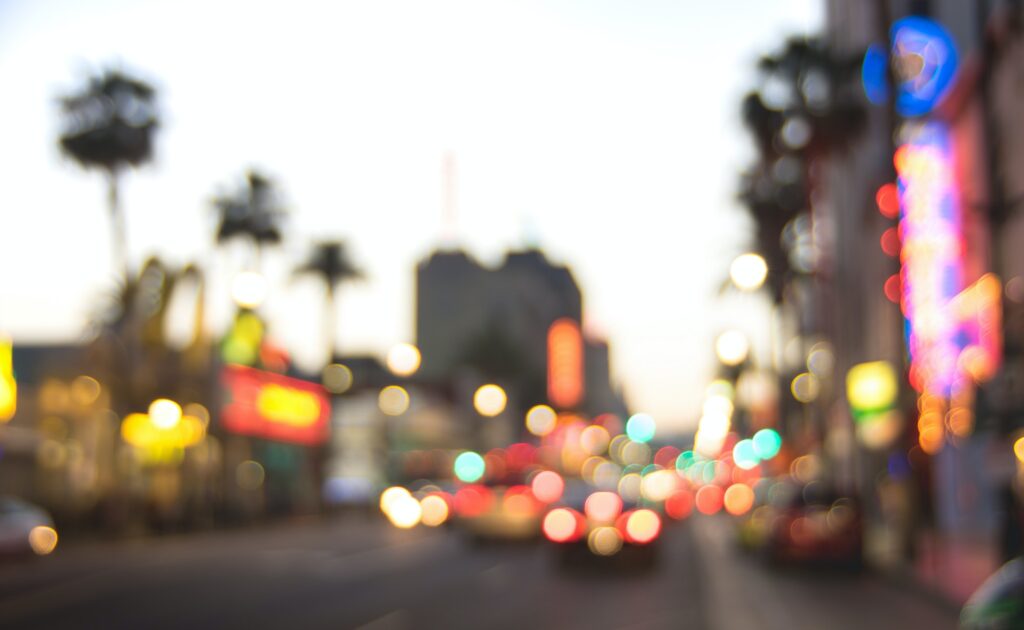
639 526
563 525
473 500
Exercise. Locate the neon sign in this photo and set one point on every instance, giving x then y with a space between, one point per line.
953 331
275 407
932 271
924 60
565 363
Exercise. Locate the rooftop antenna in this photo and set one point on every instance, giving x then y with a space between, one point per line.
448 207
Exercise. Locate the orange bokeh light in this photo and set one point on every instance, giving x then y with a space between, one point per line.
565 363
738 499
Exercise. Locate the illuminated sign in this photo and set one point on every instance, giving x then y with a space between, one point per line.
275 407
565 363
924 61
871 388
979 310
931 273
8 385
953 332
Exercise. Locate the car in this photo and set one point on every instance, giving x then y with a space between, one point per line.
810 524
998 604
494 513
25 529
593 528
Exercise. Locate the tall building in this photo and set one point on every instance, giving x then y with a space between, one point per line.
475 324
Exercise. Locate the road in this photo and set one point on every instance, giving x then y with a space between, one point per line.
354 572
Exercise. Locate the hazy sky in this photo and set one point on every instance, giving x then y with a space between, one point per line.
606 131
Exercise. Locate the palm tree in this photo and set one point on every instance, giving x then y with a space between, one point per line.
814 110
109 125
252 213
329 261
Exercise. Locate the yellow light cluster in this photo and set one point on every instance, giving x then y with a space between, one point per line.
960 417
930 423
871 386
401 508
147 430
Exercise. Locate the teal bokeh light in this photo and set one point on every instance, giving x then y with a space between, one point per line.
744 455
469 467
640 428
767 443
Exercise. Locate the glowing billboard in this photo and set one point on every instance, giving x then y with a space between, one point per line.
274 407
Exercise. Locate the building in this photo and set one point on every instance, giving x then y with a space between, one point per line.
475 324
934 483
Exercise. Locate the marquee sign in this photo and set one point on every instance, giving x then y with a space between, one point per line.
275 407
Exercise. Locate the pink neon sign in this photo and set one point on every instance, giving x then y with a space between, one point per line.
931 256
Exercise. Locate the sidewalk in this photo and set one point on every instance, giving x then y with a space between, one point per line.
745 593
954 568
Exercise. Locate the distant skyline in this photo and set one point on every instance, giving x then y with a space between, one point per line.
607 133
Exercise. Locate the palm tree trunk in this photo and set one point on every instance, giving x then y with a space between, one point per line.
330 323
119 242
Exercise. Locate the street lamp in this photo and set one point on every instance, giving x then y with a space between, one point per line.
404 359
748 272
489 400
164 413
732 347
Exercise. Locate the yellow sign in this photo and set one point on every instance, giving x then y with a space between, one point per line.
288 406
8 386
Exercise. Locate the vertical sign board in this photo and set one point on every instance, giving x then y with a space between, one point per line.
275 407
565 363
953 330
8 385
932 269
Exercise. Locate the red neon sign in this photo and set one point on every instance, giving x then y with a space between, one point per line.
274 407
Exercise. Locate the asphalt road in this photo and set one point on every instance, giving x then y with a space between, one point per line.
357 572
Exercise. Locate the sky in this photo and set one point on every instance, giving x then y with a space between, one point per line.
607 132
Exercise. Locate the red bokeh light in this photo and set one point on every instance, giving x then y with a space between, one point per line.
473 500
888 200
709 500
890 242
893 288
666 456
679 506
